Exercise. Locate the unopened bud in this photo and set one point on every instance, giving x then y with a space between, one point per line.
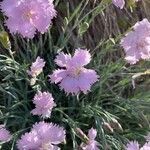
32 81
107 127
80 133
116 125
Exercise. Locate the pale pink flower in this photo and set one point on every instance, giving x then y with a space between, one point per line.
44 104
74 77
136 43
36 67
27 16
91 144
5 135
133 145
119 3
43 136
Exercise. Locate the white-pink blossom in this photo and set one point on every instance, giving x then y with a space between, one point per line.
44 103
136 43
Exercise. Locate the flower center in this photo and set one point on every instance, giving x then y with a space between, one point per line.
74 71
141 45
77 71
28 15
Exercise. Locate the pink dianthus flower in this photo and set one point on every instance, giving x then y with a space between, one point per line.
5 135
43 136
27 16
44 104
136 43
74 77
91 144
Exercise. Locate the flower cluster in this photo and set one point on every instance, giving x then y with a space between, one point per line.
27 16
47 136
43 136
91 144
136 43
74 77
44 104
5 135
